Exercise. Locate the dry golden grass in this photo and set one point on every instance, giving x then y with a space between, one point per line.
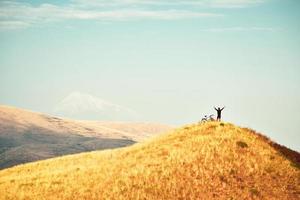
208 161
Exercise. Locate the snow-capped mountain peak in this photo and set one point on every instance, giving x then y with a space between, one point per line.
85 106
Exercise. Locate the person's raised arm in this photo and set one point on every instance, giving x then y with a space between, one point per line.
216 109
223 108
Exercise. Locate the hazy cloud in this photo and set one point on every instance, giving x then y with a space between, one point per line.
16 15
13 25
20 15
235 3
228 29
211 3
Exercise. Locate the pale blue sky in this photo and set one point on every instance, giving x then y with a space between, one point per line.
170 61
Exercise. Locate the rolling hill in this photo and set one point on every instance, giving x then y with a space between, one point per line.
202 161
27 136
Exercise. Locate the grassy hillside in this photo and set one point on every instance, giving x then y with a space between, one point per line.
208 161
27 136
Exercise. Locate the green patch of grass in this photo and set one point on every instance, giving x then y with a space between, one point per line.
26 185
254 191
242 144
269 169
296 165
56 182
272 157
232 171
222 178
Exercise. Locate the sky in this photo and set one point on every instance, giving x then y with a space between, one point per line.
170 61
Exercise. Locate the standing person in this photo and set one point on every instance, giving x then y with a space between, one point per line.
219 110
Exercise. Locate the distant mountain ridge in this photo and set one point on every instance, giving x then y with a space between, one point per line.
27 136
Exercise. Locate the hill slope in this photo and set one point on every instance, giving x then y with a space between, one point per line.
28 136
208 161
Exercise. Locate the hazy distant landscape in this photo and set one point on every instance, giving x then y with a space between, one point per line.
27 136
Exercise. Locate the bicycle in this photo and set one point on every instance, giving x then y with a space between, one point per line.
207 118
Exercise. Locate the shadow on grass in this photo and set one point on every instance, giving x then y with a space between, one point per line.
291 155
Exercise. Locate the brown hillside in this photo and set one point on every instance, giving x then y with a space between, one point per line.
15 120
27 136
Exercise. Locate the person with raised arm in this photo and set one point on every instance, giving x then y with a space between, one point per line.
219 111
